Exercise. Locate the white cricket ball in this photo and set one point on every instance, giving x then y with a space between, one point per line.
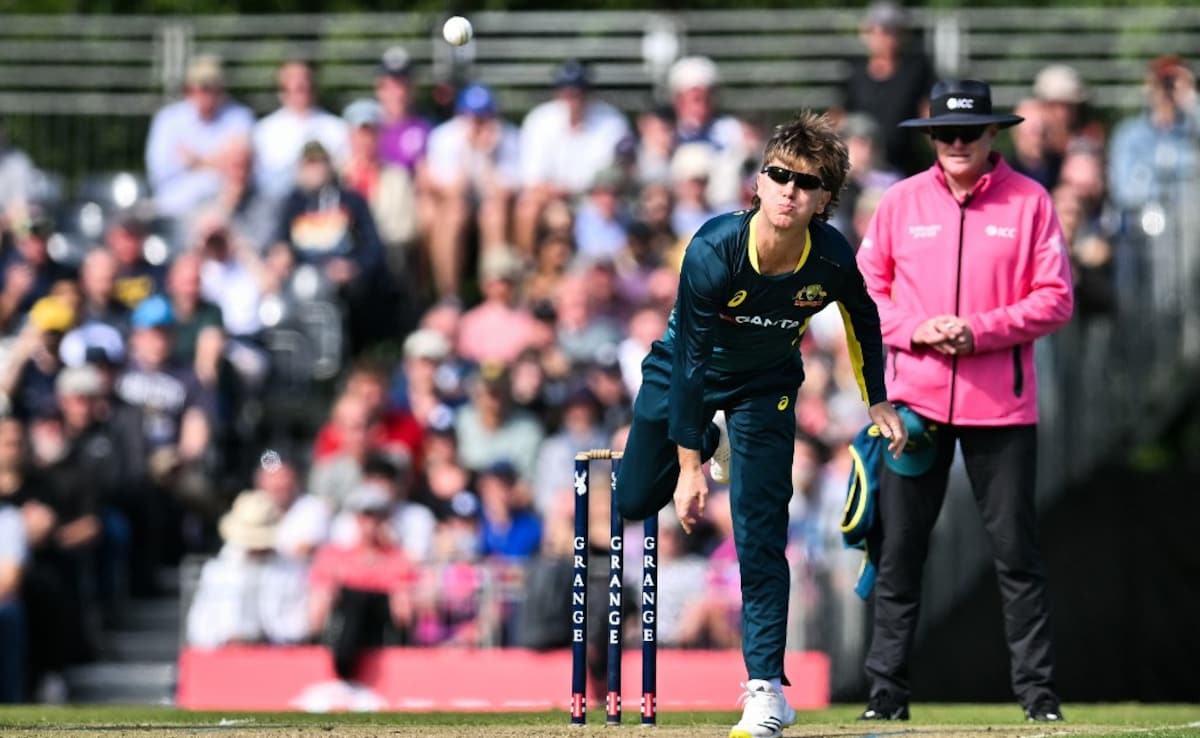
457 30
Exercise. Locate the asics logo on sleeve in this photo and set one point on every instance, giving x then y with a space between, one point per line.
738 298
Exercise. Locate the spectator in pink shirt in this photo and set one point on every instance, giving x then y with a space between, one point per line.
362 594
496 330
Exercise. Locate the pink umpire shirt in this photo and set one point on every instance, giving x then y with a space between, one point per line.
998 261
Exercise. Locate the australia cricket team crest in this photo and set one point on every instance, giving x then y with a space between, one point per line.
811 296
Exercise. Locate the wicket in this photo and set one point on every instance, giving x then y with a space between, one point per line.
579 614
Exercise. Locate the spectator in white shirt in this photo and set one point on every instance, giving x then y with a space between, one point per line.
188 139
474 167
249 594
229 274
12 616
280 137
565 143
305 518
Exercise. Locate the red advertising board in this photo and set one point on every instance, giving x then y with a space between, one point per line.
414 679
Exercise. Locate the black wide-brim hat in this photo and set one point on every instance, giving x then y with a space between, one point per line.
961 102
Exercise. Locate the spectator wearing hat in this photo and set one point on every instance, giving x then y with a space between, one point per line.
474 168
890 84
362 595
693 83
565 144
403 134
94 476
324 224
424 351
388 188
961 333
497 329
249 594
98 344
279 138
172 408
29 369
1155 153
27 272
188 138
509 528
1064 97
489 429
13 637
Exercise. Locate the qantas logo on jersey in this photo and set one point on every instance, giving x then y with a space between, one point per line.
811 296
788 324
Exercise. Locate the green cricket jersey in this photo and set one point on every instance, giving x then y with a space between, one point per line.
732 325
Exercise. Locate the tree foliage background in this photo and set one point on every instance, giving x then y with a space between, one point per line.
112 7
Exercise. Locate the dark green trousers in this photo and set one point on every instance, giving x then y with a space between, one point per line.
762 432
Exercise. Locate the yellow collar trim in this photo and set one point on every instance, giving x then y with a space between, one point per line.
753 245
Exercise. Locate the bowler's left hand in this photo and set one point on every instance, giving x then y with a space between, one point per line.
884 415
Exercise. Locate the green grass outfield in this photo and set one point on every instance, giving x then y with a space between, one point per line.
935 720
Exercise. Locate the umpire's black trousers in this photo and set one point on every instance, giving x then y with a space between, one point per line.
1001 464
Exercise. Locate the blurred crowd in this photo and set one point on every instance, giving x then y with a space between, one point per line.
351 356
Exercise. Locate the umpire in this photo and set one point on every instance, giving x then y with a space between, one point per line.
967 265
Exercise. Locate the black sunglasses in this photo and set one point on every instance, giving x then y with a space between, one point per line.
950 134
803 180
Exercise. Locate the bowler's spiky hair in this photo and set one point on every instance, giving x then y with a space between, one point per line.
811 138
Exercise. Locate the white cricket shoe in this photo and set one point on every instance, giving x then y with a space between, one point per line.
718 465
766 713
